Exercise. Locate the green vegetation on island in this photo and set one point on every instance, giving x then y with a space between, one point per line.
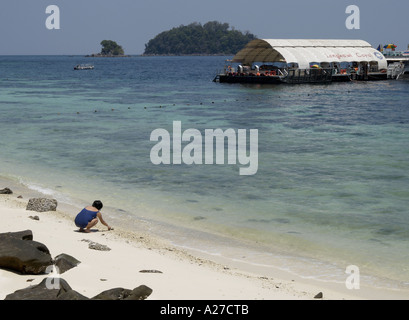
109 49
212 38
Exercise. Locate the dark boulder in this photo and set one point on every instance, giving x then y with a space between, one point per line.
140 293
113 294
19 253
22 235
65 262
6 191
43 291
71 295
59 289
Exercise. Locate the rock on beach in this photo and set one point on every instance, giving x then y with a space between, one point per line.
6 191
65 262
42 204
59 289
18 252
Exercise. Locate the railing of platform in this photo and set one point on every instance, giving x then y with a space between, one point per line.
309 75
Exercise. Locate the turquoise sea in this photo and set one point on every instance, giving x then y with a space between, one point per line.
331 190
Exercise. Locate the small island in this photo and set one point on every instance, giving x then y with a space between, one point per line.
212 38
109 49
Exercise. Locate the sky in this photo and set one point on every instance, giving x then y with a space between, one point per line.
132 23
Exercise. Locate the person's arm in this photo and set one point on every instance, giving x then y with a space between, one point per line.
99 215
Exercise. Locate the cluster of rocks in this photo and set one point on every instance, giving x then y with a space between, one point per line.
35 204
19 253
43 291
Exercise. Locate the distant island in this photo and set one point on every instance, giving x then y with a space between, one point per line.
212 38
109 49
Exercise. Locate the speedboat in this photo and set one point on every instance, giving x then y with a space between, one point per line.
83 67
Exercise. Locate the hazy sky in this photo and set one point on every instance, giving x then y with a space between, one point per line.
132 23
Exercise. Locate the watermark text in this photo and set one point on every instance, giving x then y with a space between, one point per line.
53 20
169 149
353 280
353 21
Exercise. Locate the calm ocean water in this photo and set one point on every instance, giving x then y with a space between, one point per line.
332 187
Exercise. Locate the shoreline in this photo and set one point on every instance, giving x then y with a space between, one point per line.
186 274
249 255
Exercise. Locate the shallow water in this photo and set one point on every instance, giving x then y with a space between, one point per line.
331 188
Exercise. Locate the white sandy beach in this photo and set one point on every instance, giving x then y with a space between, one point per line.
183 277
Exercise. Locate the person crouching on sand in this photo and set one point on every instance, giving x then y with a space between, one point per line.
89 217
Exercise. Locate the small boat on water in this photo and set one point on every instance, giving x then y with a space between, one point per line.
83 67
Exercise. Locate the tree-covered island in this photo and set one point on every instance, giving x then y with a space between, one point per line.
212 38
109 49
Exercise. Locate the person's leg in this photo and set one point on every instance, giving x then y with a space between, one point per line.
91 224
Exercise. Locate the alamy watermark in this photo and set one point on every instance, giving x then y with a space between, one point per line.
353 21
53 20
54 281
353 280
169 149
